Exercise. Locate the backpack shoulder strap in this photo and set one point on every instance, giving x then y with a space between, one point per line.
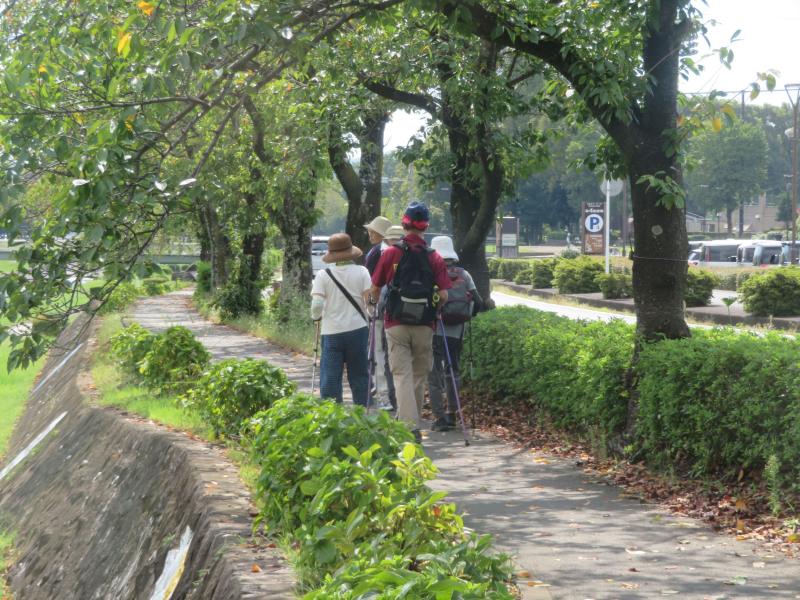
347 294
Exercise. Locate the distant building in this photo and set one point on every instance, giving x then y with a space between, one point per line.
758 218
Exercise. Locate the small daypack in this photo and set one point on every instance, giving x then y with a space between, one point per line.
410 298
458 308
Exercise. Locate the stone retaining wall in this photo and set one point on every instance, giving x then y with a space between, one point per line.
105 501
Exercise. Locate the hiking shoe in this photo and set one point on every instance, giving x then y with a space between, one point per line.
441 424
385 406
417 435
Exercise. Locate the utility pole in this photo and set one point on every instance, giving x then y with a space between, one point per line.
790 88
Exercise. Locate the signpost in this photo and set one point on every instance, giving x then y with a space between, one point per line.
593 219
508 237
609 188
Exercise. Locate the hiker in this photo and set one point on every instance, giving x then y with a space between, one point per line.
338 298
387 395
376 229
412 271
463 302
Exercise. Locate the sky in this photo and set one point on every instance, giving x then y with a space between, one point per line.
769 40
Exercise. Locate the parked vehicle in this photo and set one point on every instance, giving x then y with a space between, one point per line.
716 253
786 248
319 246
767 252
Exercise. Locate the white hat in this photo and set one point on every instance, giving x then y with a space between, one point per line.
395 232
379 225
443 244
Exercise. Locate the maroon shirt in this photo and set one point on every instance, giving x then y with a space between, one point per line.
387 265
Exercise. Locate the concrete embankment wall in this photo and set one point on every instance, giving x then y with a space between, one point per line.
108 506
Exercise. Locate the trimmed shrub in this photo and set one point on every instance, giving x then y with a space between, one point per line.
700 286
233 390
541 272
615 285
577 275
234 301
508 268
493 266
524 277
774 292
130 346
174 362
572 370
721 401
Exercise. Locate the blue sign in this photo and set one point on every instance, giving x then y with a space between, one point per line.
593 223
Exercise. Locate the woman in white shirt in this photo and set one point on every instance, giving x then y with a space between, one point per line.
337 299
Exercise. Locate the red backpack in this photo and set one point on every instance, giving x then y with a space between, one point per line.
458 308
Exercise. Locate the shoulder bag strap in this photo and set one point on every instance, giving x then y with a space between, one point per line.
347 295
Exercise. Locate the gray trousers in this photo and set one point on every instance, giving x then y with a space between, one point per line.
439 378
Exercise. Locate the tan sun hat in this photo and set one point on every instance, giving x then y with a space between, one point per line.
340 248
379 225
395 233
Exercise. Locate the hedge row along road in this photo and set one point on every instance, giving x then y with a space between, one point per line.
572 537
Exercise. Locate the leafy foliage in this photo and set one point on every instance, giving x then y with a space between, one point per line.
174 362
235 300
775 292
350 490
719 402
233 390
577 276
615 285
130 346
121 298
700 286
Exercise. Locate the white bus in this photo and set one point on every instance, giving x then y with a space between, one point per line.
716 253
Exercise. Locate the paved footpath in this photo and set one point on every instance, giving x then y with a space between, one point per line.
582 539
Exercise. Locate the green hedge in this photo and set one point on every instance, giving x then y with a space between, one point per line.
349 491
774 292
720 402
700 286
577 275
572 370
615 285
712 404
130 346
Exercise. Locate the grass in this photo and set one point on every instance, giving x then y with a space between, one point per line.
6 553
16 386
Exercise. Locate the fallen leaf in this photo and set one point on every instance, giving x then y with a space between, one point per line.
255 568
523 574
738 580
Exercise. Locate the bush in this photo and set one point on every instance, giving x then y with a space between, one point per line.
493 266
569 253
700 286
508 268
577 275
233 390
348 487
571 370
204 277
615 285
175 361
155 286
719 402
234 301
121 298
129 347
523 277
774 292
541 272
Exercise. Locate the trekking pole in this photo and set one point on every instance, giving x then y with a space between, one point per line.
453 379
316 352
472 401
370 361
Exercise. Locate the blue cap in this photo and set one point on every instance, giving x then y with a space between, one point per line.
417 211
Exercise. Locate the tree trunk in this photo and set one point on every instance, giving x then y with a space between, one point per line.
741 219
220 246
295 222
363 190
729 216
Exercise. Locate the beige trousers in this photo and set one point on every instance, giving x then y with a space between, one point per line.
410 360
